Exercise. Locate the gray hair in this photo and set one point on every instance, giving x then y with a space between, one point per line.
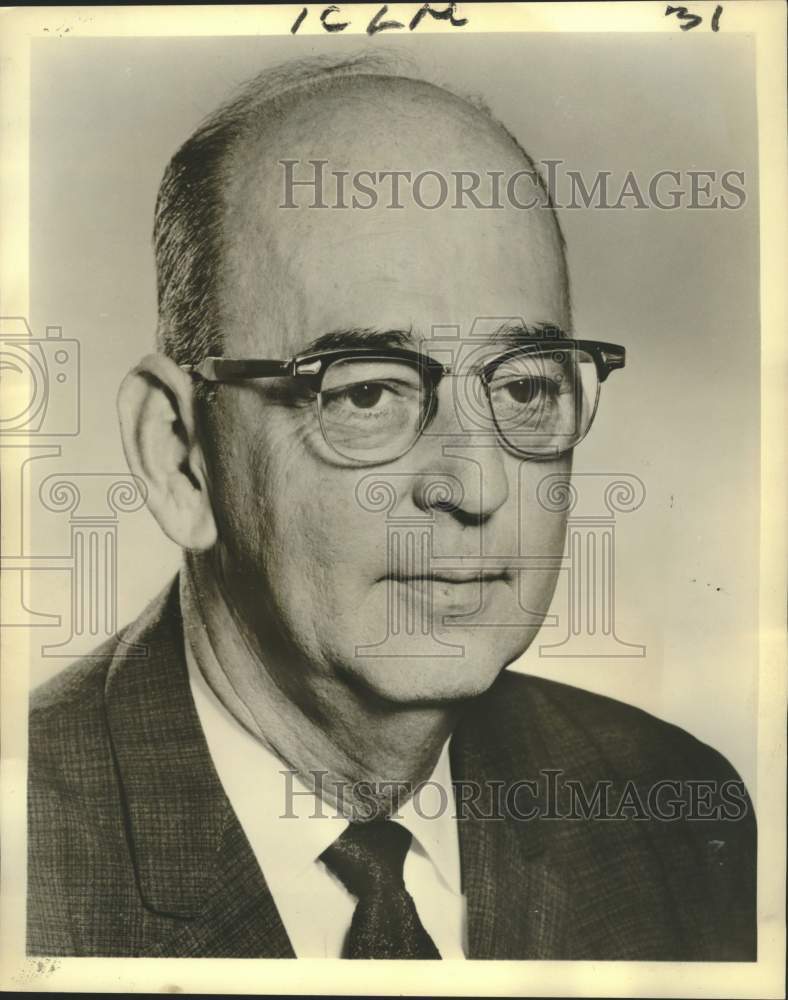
189 217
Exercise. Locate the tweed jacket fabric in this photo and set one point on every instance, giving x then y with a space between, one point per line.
134 849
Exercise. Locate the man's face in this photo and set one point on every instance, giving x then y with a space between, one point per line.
334 570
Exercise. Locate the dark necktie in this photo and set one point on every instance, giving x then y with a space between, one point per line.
368 858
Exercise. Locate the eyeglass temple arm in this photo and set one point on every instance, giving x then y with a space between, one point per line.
612 357
231 369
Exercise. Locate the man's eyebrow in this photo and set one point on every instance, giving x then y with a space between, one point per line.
513 331
359 337
510 333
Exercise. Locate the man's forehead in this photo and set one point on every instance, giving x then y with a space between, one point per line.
404 278
292 274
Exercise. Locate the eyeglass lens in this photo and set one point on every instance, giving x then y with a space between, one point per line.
541 403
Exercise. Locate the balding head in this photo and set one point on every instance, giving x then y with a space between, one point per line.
227 251
254 476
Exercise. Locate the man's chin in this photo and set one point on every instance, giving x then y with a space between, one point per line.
426 678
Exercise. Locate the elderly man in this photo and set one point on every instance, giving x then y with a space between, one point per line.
250 787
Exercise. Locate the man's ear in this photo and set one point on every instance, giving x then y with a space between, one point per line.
157 426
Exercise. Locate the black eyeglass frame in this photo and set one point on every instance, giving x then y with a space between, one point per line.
310 369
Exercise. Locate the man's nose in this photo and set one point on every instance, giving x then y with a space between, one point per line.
460 473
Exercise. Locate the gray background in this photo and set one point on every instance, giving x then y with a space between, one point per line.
679 288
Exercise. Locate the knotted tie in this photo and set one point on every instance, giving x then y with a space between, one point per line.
368 858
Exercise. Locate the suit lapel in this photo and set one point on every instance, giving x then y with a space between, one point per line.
192 860
238 917
513 876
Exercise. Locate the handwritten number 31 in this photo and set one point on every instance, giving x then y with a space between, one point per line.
693 20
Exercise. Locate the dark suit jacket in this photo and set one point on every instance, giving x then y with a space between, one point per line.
135 850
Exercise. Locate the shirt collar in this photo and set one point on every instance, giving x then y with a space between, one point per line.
281 817
429 815
276 810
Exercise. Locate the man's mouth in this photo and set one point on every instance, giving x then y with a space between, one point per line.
453 591
446 576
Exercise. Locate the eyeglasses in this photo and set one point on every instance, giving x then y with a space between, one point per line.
539 398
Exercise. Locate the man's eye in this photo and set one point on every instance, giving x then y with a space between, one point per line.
369 394
527 390
365 395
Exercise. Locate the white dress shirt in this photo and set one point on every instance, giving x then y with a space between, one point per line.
315 907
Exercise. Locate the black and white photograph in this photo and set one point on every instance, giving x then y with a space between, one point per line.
393 497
